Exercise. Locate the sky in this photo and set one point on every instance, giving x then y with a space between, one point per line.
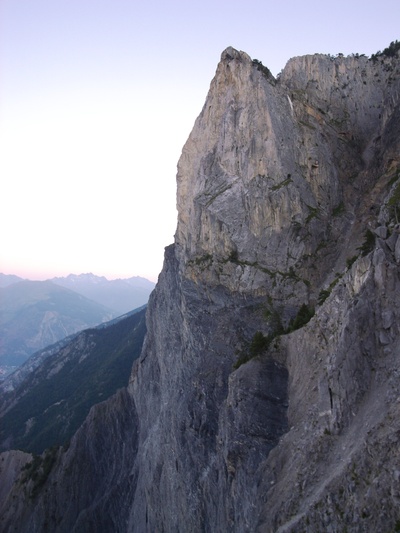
97 98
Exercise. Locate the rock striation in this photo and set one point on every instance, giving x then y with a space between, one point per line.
266 395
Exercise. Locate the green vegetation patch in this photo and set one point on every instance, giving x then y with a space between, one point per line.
202 260
262 68
260 342
304 315
283 183
313 213
338 210
390 51
38 470
395 198
323 295
258 345
351 260
394 201
369 243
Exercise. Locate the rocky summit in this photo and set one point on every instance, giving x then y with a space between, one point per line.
266 398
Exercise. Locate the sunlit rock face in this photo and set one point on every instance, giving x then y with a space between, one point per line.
239 183
239 416
269 164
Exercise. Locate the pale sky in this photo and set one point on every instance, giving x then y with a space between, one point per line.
97 98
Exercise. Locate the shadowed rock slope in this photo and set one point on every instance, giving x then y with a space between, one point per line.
266 395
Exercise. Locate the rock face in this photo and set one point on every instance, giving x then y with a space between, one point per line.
246 411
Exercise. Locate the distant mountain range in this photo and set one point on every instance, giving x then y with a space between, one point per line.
9 279
50 402
120 295
36 314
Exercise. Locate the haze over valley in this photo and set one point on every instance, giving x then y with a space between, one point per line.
35 314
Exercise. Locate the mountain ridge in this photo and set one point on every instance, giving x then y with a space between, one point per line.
46 407
121 295
82 283
35 314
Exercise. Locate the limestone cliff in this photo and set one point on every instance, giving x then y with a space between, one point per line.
246 411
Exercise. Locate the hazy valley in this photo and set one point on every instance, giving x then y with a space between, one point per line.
36 314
